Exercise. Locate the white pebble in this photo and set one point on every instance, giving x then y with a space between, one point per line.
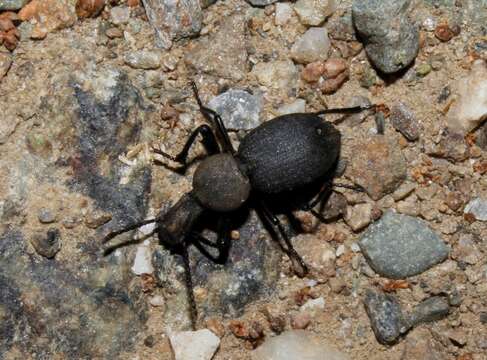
194 345
314 304
142 262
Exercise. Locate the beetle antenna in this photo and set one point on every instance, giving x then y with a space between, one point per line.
346 110
189 286
134 226
354 187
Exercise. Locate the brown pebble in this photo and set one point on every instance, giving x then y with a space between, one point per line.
133 3
334 67
300 321
331 85
444 33
6 24
454 200
114 32
28 11
276 319
216 327
313 71
89 8
239 329
47 245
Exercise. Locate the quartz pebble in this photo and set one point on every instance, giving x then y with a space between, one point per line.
470 111
142 262
297 344
239 109
314 12
194 345
312 46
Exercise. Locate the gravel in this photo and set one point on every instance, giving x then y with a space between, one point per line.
398 246
390 37
239 109
312 46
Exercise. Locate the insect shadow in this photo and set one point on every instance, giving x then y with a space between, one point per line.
287 162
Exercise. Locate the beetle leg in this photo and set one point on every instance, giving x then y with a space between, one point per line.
213 117
134 226
222 243
208 140
299 265
345 110
189 286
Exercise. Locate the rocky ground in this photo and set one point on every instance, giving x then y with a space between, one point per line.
88 88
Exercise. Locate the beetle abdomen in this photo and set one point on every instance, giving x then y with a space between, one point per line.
289 152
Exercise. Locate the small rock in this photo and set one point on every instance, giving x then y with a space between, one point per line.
12 4
423 69
157 301
281 74
173 20
398 246
46 216
466 250
337 284
359 216
458 337
143 60
194 345
142 262
239 109
335 206
445 33
314 304
47 245
114 33
5 63
313 71
300 320
297 106
95 219
403 191
313 45
385 316
470 110
275 317
334 67
50 15
216 327
450 145
404 121
432 309
284 13
228 45
421 344
297 344
391 39
89 8
478 208
314 12
261 2
378 165
119 15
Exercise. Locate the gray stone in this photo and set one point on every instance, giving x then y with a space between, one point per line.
239 109
12 4
261 2
284 13
5 63
391 39
478 208
47 245
194 345
404 121
398 246
228 45
432 309
312 46
142 59
297 344
314 12
385 316
173 20
281 74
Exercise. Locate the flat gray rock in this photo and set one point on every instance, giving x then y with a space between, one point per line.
398 246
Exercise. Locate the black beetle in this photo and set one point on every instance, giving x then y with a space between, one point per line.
282 155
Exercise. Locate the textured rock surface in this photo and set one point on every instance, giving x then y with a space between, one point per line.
391 39
173 20
12 4
297 344
398 246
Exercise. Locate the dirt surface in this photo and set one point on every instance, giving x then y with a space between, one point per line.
62 153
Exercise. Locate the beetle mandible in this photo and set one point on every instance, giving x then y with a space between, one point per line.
284 154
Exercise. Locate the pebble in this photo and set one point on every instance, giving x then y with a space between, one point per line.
423 69
404 121
297 344
228 45
378 165
157 301
12 4
478 208
359 216
261 2
281 74
314 12
385 316
47 245
119 15
398 246
89 8
313 71
46 216
284 13
297 106
95 219
143 59
5 63
335 207
239 109
433 309
194 345
276 318
470 110
300 320
313 45
391 39
142 262
403 191
314 304
173 20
